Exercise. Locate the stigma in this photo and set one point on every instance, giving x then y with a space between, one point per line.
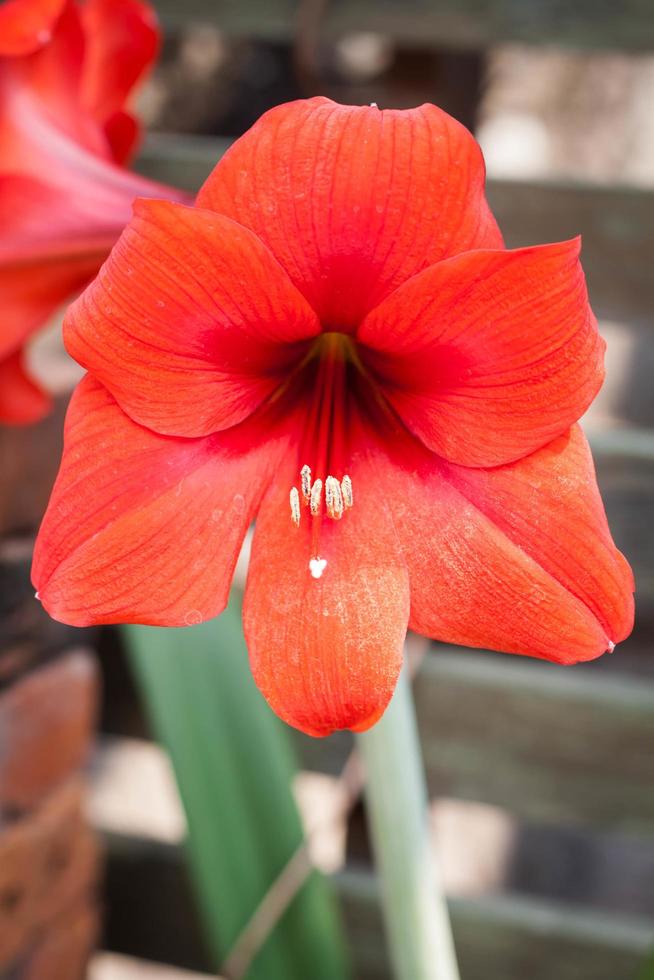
332 494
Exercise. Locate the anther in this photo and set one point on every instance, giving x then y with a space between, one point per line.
316 495
295 506
333 498
305 477
346 490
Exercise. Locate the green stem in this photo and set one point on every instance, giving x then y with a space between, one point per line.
415 912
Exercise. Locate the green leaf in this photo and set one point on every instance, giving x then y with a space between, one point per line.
647 972
234 767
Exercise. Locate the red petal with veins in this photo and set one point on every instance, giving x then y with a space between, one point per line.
489 355
21 400
191 323
353 200
326 651
144 528
26 25
122 43
517 558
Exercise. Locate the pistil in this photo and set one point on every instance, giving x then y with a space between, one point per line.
323 493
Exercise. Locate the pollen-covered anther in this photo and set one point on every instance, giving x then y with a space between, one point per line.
305 478
315 498
346 490
333 498
295 506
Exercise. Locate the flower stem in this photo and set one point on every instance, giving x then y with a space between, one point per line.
415 912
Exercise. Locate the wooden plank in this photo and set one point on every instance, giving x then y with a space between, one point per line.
616 223
62 952
46 723
49 862
132 792
447 23
113 966
507 936
546 743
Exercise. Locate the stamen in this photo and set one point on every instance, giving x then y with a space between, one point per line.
346 490
305 477
338 496
295 506
333 498
316 496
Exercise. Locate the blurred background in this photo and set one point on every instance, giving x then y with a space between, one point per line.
541 777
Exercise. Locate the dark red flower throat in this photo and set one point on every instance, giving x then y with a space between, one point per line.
331 380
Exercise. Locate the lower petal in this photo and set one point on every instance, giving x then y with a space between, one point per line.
141 527
326 651
517 559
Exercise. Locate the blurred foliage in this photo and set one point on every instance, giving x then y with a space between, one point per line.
647 972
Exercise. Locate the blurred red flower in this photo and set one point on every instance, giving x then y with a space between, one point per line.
66 71
335 340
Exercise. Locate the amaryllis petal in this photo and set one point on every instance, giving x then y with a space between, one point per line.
122 42
353 200
38 275
491 354
517 558
42 92
30 291
21 399
191 321
26 25
141 527
550 507
326 650
123 132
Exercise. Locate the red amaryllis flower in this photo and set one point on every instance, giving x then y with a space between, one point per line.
335 340
65 196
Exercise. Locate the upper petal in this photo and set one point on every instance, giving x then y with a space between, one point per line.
142 527
122 41
517 558
26 25
353 200
191 321
491 354
326 651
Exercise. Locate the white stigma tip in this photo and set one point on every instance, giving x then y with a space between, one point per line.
317 566
295 506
